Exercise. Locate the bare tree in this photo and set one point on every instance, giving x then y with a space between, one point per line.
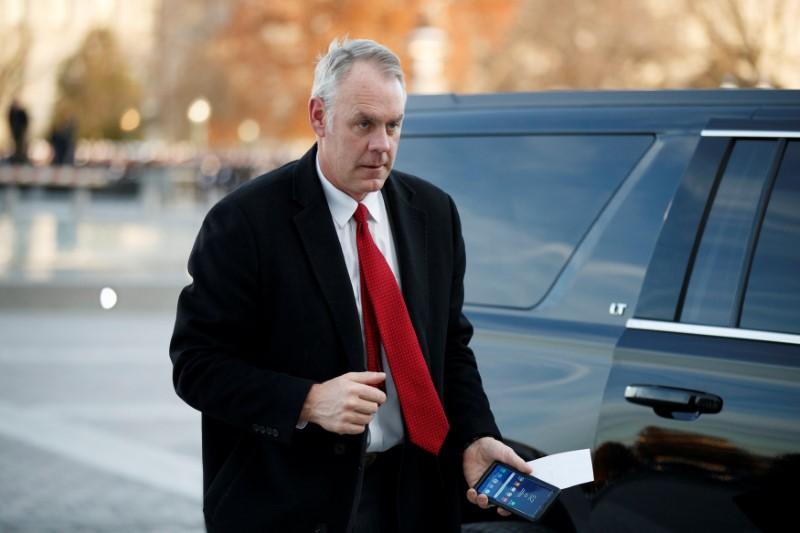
750 42
577 44
95 88
13 57
581 44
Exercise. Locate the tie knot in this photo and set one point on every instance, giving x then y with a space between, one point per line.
361 214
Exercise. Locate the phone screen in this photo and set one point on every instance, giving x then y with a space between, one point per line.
517 492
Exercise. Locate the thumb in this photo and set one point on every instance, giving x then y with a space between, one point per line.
518 462
368 378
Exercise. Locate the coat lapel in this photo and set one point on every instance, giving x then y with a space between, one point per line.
318 235
409 229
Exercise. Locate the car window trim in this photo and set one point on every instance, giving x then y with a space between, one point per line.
751 133
755 235
712 331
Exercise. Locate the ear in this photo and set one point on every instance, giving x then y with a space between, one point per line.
316 115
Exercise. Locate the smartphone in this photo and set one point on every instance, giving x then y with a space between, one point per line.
522 494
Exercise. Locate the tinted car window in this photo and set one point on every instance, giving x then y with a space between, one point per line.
713 291
525 202
772 300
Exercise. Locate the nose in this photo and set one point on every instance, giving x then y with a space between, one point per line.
379 141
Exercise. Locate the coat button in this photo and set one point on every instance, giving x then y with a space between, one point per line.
339 448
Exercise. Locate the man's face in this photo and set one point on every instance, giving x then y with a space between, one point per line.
357 153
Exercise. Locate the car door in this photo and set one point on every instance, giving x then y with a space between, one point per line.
700 424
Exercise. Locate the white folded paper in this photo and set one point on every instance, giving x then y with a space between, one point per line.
564 469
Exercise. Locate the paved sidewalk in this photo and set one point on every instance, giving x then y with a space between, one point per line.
44 492
92 436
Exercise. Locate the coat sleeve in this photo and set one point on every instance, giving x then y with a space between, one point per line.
466 403
214 344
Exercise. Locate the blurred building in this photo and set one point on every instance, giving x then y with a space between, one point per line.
55 29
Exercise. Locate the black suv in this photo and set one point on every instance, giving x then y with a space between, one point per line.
634 281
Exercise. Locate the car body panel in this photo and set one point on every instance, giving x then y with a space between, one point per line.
732 470
556 371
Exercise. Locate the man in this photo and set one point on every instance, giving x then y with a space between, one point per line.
331 400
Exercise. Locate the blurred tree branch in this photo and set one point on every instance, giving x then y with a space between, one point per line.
747 38
13 57
601 44
95 88
583 45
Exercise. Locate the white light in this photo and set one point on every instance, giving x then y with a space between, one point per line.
108 298
248 130
130 120
199 111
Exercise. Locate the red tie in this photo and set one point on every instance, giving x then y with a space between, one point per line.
383 306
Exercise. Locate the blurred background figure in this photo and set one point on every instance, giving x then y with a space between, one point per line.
62 140
18 124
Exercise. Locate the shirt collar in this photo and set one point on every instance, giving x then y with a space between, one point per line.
342 206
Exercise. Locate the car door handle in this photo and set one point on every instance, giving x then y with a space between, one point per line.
673 402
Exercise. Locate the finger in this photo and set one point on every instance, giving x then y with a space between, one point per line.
483 501
348 428
367 378
503 512
511 458
365 408
371 394
358 418
359 405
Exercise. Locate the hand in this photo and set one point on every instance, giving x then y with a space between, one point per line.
479 456
345 404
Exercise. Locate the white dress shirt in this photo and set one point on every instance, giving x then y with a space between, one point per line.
386 428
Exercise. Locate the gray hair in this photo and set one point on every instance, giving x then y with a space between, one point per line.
342 55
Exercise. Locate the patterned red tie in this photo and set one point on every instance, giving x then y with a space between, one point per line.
383 306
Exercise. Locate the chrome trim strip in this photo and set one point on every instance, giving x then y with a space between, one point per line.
750 133
713 331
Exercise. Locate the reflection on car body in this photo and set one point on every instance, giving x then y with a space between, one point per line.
639 242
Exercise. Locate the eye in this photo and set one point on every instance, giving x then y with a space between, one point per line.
363 125
393 127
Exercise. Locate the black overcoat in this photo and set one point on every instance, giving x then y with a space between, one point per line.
270 311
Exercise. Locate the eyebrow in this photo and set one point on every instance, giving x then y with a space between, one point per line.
360 115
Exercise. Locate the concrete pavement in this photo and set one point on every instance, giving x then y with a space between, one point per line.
92 435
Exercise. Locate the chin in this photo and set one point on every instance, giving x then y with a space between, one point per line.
376 184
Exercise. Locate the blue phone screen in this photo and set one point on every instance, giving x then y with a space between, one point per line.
514 491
